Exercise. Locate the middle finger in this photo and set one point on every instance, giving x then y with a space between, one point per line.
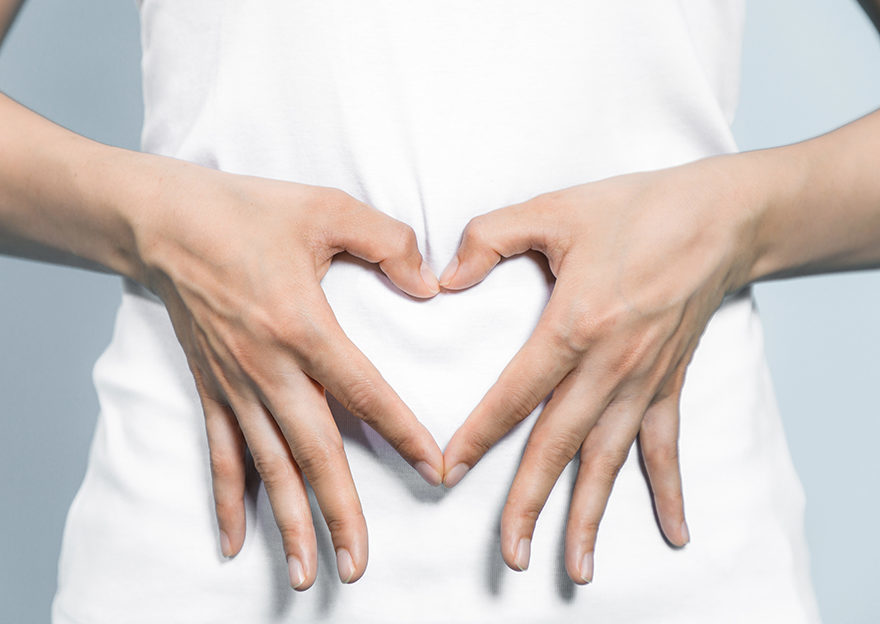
304 418
555 439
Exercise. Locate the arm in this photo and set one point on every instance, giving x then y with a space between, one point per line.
8 11
822 208
29 145
58 202
642 261
872 8
222 251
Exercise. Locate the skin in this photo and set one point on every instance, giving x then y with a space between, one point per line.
237 261
8 11
642 261
263 346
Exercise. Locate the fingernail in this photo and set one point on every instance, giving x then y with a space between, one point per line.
428 473
297 574
429 278
685 532
225 545
521 560
449 271
455 475
587 568
345 565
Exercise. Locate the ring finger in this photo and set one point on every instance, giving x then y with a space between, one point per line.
285 488
603 453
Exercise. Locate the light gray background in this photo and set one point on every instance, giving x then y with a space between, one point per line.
809 66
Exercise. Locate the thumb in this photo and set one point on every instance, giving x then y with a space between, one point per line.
372 235
487 239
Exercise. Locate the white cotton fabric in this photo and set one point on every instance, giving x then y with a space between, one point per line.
434 112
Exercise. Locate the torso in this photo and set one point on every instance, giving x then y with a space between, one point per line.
435 112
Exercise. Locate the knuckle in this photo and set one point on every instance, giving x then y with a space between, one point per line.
406 441
580 332
342 198
239 344
292 328
669 389
198 378
637 358
676 383
293 531
324 202
404 243
247 363
557 450
330 207
476 232
626 363
225 468
317 458
259 325
331 198
296 330
223 379
210 393
518 402
664 453
480 442
552 200
344 524
363 399
227 506
520 513
589 527
607 464
275 470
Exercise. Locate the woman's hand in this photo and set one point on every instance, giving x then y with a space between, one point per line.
237 261
641 261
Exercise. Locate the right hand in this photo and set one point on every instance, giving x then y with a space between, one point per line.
238 262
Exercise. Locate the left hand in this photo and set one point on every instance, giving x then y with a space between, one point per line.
642 261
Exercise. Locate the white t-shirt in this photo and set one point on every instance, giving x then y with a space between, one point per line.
435 112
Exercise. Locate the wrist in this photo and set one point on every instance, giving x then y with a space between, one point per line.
103 183
763 182
142 192
781 174
62 195
729 196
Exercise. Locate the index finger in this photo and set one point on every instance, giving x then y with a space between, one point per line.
332 359
536 369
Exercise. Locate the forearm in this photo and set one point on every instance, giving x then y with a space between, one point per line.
63 198
8 11
821 206
872 9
